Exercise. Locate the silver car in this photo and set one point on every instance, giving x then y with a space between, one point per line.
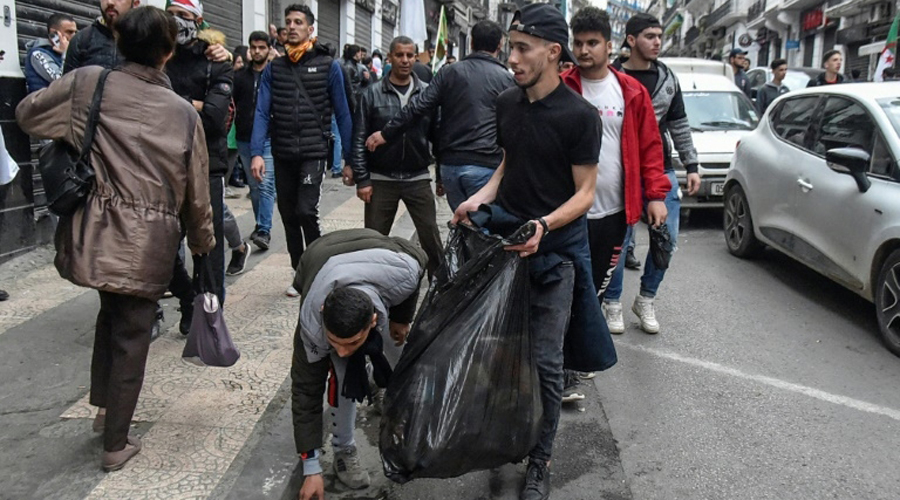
819 181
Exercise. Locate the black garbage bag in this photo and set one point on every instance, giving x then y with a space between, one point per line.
465 394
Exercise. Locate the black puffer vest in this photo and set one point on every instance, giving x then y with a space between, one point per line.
293 128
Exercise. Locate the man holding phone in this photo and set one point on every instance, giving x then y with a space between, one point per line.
44 61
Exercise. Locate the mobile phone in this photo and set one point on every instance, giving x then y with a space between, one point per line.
54 39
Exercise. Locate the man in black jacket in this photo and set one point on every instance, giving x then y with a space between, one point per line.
465 92
831 61
398 171
207 86
96 44
297 95
246 88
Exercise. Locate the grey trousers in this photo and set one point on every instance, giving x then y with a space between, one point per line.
551 307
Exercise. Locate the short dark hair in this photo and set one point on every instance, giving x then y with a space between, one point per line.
400 40
350 51
57 19
240 51
592 19
486 36
259 36
777 63
828 55
282 30
304 9
146 35
346 312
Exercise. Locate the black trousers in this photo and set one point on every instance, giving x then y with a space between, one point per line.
606 236
121 344
419 200
181 285
298 188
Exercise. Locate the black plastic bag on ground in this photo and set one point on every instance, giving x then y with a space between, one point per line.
465 394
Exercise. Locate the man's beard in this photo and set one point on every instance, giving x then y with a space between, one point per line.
646 56
110 20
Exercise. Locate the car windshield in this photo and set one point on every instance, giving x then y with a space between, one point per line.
719 111
891 107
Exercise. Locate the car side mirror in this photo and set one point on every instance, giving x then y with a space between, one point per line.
853 162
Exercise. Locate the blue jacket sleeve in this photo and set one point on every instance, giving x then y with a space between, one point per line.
340 106
261 117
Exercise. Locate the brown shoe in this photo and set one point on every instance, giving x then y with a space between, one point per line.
99 423
115 460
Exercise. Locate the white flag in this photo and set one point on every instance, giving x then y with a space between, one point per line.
412 21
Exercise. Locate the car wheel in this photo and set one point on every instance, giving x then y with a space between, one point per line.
887 302
739 235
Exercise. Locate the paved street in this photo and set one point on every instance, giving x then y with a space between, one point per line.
767 381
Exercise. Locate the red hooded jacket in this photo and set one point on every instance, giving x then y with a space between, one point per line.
642 149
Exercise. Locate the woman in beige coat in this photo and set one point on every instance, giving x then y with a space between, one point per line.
150 158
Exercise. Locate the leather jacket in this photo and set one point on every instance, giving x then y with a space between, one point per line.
403 158
466 93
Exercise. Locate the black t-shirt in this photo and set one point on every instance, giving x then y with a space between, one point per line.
542 141
401 88
648 77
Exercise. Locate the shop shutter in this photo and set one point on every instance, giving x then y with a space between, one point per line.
227 17
387 36
363 35
329 23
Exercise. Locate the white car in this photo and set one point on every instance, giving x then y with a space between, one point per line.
819 181
720 115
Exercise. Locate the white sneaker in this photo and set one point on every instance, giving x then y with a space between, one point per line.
612 311
291 291
643 307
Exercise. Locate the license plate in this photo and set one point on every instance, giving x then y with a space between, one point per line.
717 188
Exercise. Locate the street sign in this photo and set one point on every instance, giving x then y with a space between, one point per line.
792 44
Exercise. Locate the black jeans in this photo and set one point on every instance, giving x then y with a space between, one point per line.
181 285
606 236
121 344
298 188
419 200
551 307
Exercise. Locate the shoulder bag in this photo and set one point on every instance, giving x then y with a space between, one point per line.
66 173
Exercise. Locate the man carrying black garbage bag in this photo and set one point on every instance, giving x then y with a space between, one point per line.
551 139
359 290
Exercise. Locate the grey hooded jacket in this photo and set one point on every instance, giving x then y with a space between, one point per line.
668 104
385 268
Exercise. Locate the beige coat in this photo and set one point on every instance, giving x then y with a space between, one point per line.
150 157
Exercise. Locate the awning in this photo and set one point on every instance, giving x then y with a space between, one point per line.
872 48
674 24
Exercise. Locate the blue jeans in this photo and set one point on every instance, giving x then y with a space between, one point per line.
653 276
462 181
336 160
262 194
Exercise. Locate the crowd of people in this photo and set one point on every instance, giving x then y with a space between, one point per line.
560 136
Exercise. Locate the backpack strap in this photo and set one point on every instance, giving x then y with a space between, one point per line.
94 115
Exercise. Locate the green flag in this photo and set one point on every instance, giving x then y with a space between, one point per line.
890 51
440 48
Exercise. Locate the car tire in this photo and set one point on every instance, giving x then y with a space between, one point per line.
887 302
739 235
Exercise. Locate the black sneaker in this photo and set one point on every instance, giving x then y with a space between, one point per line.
238 261
3 295
537 481
572 391
187 314
336 175
631 261
156 329
261 240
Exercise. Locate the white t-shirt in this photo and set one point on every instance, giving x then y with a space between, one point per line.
606 95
